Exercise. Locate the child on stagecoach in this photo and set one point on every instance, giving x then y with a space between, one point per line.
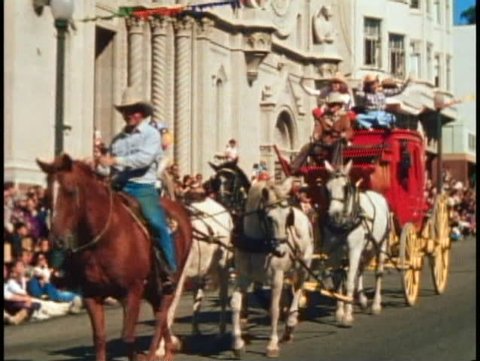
371 103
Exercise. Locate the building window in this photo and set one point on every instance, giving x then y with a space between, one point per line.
372 42
448 15
415 4
396 50
429 61
437 11
448 73
415 59
437 71
428 6
472 140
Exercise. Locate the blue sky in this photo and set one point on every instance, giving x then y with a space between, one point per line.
458 7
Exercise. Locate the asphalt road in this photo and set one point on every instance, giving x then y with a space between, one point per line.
440 328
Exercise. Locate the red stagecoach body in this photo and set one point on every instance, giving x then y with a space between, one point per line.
389 162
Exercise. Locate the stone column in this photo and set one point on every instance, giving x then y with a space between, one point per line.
135 28
159 67
183 87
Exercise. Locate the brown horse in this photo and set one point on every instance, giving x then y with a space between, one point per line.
111 253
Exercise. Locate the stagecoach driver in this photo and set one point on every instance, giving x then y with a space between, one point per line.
134 155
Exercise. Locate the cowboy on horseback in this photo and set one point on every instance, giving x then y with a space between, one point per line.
134 156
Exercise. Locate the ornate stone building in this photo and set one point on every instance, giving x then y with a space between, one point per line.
223 73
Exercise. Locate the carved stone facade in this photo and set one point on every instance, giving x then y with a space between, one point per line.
227 73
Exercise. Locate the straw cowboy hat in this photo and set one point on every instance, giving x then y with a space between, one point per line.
338 77
370 78
335 97
132 99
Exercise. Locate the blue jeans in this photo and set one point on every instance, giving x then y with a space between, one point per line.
36 289
378 118
147 196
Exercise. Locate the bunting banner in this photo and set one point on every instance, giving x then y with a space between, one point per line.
171 11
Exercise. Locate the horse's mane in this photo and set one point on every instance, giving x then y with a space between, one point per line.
86 171
240 173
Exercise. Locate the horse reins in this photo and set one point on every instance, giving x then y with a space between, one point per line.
104 230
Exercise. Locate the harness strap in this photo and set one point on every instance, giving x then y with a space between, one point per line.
323 291
201 236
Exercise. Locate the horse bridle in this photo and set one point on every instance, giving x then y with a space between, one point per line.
350 197
262 214
97 238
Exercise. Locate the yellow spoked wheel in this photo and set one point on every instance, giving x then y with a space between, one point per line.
440 257
410 262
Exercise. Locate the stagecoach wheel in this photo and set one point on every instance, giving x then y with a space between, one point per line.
410 263
440 258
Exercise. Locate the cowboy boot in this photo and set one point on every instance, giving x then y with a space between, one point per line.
164 274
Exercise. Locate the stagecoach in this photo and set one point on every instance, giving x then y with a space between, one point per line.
392 162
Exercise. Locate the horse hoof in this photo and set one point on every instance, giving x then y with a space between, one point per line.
376 310
346 323
239 353
176 345
287 335
273 353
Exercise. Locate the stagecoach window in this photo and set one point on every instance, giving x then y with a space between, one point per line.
405 160
415 4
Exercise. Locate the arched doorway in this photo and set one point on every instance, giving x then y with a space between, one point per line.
284 133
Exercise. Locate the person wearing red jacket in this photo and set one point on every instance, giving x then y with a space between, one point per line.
332 130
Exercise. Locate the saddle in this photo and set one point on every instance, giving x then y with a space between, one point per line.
160 271
132 204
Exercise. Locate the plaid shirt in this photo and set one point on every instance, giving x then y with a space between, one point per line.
377 100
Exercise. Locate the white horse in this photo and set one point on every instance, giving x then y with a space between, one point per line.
209 256
359 222
268 216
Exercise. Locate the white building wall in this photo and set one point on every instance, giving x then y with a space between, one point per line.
30 73
464 85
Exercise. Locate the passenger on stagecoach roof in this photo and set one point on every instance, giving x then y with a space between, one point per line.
332 130
372 102
336 84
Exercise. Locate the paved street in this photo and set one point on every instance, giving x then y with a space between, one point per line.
440 328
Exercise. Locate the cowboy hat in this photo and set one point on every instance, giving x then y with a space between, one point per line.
335 97
370 78
338 77
132 99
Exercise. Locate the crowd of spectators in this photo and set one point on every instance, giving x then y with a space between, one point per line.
461 202
28 292
28 258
